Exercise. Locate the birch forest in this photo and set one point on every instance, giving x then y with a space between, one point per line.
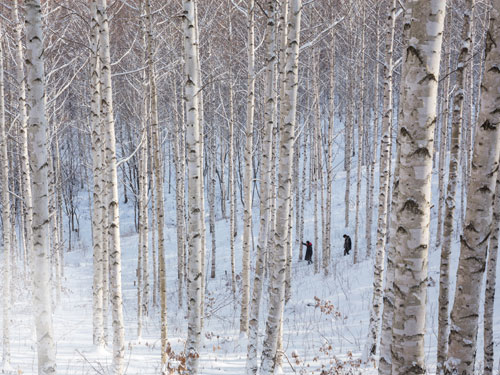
249 187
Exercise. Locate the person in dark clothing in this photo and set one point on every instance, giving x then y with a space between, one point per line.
309 251
347 244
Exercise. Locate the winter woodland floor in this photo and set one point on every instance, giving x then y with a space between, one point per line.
313 339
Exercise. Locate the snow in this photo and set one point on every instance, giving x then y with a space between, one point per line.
325 322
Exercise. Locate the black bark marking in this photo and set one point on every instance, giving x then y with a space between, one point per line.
488 126
411 206
412 50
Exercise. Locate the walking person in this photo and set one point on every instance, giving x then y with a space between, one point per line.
347 244
309 251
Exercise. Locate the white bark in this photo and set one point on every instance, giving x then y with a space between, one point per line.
38 145
373 152
489 298
195 192
23 122
360 143
158 175
443 147
112 192
6 228
287 130
456 135
384 174
329 162
248 180
180 197
211 198
232 193
478 215
418 116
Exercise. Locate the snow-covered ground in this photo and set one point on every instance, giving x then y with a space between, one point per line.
314 340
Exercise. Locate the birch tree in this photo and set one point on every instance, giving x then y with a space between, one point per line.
37 143
6 227
456 135
329 163
489 297
158 175
247 211
180 195
360 140
478 215
265 182
195 192
23 130
384 174
112 192
443 142
418 116
287 130
98 234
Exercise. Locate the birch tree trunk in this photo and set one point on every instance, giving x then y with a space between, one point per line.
329 163
23 122
287 129
195 192
420 77
247 210
6 226
303 194
180 196
157 166
211 196
37 143
112 191
384 177
231 182
360 142
456 135
385 362
142 250
478 215
443 147
372 157
54 230
489 298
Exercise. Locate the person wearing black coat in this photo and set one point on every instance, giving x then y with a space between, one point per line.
347 244
309 251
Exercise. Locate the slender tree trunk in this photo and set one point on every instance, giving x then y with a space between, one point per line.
112 188
6 225
54 230
329 163
478 215
384 178
303 193
211 196
142 250
373 159
456 135
489 298
287 129
158 168
443 147
38 145
420 77
180 196
361 120
23 122
195 191
316 152
231 180
247 210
